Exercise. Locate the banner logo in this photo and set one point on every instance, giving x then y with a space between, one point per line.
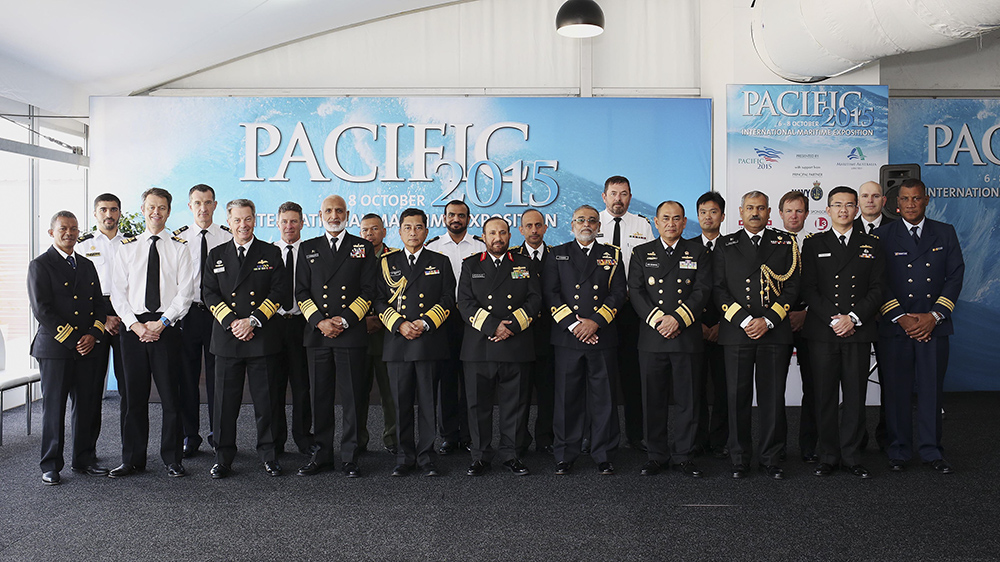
769 154
856 154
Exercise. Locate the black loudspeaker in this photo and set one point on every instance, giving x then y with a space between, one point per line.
890 176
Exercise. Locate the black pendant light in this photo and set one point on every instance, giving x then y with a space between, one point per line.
580 18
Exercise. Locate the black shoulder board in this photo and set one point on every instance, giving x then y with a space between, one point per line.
224 227
86 236
180 230
179 239
130 240
431 240
477 237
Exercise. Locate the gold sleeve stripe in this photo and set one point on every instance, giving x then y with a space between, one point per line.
685 315
779 310
220 311
479 319
731 311
360 307
389 317
560 313
268 308
946 302
437 315
655 315
308 308
99 325
63 332
889 306
522 318
607 313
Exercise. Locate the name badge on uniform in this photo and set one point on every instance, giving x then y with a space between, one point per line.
395 274
479 276
520 272
312 256
688 264
432 271
900 254
938 249
652 264
92 254
562 258
219 267
358 251
825 255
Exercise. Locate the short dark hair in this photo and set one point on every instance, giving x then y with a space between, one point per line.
712 197
290 207
914 182
411 212
666 202
454 202
373 216
753 195
613 180
107 197
202 188
158 192
588 207
841 189
61 215
791 196
241 203
494 218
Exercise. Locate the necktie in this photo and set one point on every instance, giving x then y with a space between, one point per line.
290 277
496 263
204 251
241 253
333 244
71 260
617 240
670 251
843 240
916 237
413 261
153 277
756 240
709 245
535 257
871 227
586 251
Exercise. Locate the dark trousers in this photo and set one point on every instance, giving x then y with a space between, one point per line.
913 366
452 409
196 335
542 379
508 380
713 425
809 417
837 366
82 380
157 363
291 371
333 371
230 374
670 381
584 389
628 372
104 354
770 361
376 372
412 383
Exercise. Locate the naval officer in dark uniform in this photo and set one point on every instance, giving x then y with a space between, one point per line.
66 299
925 274
669 283
843 271
583 285
335 286
498 297
244 283
416 292
756 272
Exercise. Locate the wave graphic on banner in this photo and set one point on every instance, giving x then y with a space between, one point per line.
769 154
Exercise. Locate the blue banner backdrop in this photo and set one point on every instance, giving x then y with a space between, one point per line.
956 143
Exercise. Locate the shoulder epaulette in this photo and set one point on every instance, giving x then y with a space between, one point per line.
224 227
515 250
642 216
477 237
129 240
875 236
779 231
435 239
613 246
180 230
179 239
810 235
86 236
389 252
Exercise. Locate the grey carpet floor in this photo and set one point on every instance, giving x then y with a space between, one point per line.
916 515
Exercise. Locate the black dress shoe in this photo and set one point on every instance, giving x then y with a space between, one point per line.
941 466
91 470
191 447
517 467
773 471
859 470
897 465
823 469
810 458
350 470
740 471
272 468
606 469
402 470
123 470
477 468
563 468
51 478
547 449
311 467
651 468
391 449
447 448
430 471
220 471
176 470
688 468
585 447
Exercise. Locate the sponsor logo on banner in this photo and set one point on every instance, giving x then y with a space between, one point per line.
769 154
856 154
816 192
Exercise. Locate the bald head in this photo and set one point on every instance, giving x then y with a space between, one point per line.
871 200
334 214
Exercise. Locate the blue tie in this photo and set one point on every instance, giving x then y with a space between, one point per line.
72 261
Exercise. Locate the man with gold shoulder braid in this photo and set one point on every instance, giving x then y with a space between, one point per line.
244 283
756 282
584 285
416 292
669 283
335 286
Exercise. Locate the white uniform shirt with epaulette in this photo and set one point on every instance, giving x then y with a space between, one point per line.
101 250
216 235
456 252
635 231
128 285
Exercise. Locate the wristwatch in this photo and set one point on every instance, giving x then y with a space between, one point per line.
938 317
166 321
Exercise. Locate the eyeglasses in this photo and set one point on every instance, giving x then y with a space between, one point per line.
848 206
586 220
